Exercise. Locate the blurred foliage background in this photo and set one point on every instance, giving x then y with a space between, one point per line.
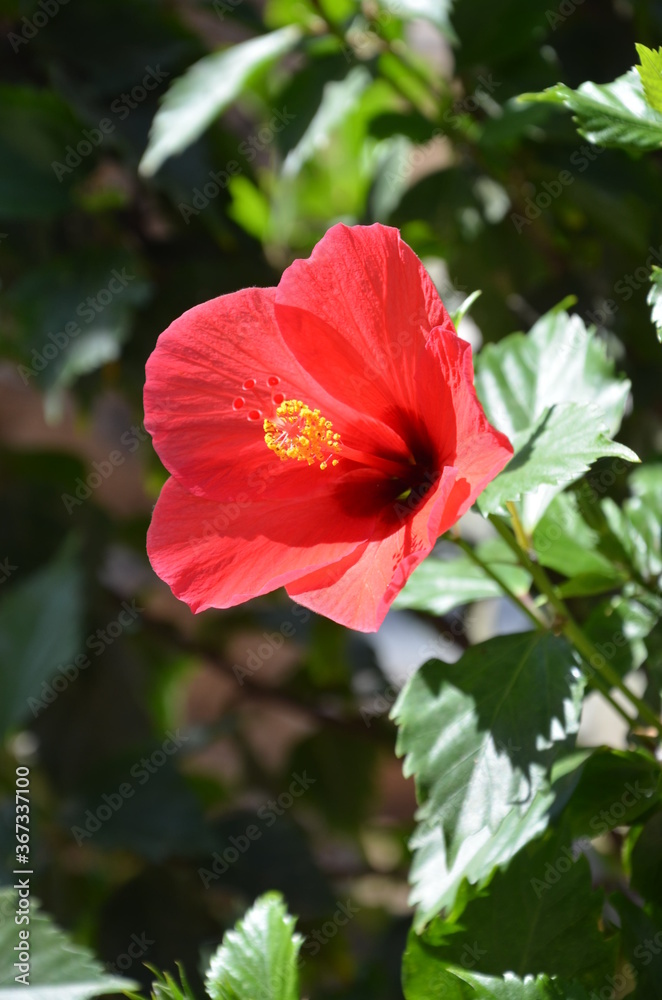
261 718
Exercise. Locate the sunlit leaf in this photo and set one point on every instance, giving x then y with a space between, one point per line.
259 957
206 90
609 114
554 393
57 968
650 72
480 737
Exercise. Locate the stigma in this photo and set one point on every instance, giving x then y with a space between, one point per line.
295 431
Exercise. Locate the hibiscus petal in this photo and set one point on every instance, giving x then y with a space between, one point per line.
358 590
445 382
220 554
194 376
355 315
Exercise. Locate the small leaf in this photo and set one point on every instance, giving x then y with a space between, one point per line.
206 90
423 980
58 969
460 313
650 72
609 114
259 957
654 299
480 737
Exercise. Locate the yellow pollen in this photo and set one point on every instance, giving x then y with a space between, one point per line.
298 432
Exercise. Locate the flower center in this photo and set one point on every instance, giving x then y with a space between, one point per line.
303 434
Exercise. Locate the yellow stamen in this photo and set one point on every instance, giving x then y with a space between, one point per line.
298 432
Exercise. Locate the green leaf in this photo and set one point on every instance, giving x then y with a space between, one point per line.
558 361
562 444
40 630
609 114
166 987
425 977
438 585
539 916
554 393
338 98
259 957
206 90
480 737
59 969
654 299
650 72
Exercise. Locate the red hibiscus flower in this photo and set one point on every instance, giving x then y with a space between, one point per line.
321 435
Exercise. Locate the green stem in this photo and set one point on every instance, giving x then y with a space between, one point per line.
571 629
538 622
518 527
